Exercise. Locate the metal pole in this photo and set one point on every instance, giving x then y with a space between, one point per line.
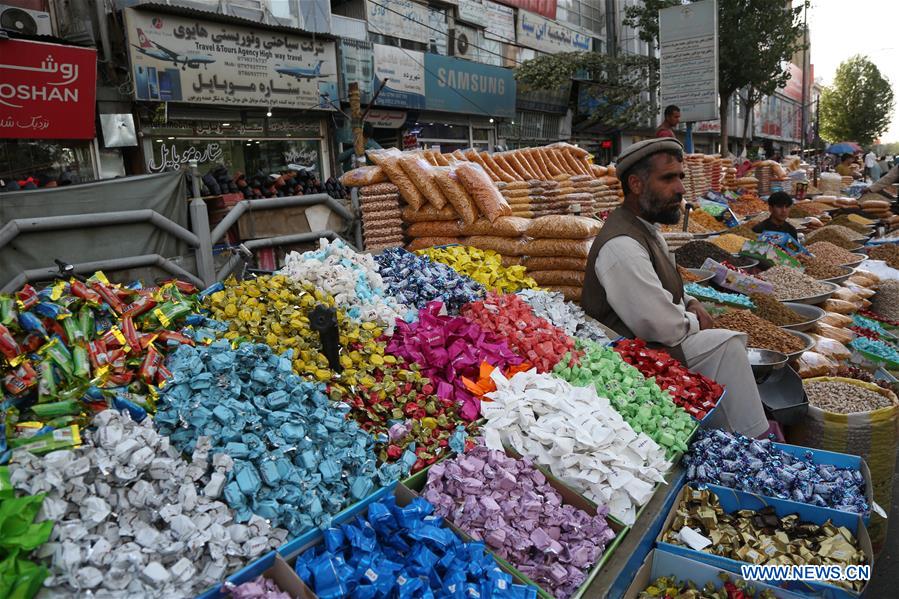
688 146
199 219
804 117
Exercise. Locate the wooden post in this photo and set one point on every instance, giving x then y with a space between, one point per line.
356 122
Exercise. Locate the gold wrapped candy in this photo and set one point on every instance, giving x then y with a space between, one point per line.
484 266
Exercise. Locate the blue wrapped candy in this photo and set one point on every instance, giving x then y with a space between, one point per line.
297 458
403 552
758 467
707 293
417 280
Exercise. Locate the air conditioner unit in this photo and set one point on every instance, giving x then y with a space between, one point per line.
22 20
464 41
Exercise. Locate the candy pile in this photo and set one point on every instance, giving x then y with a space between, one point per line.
877 347
702 292
531 337
75 347
297 458
578 436
260 588
402 551
737 462
761 537
275 310
695 393
131 519
641 402
675 588
19 576
563 314
401 411
447 349
484 266
509 504
352 278
416 280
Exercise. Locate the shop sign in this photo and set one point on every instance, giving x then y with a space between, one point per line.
549 36
404 71
303 156
177 59
356 67
386 119
707 127
47 91
472 11
454 85
500 22
274 128
404 19
170 158
547 8
688 41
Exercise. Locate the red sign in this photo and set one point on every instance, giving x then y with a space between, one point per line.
547 8
793 89
47 91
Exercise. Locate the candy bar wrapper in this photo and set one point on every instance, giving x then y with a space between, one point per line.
737 281
785 241
9 347
761 250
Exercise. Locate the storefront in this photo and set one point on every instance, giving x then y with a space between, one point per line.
47 114
254 101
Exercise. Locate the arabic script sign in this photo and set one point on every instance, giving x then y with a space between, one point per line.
47 91
176 59
688 42
405 75
549 36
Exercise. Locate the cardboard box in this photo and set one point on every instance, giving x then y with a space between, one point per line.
737 281
260 224
271 566
732 501
662 563
569 497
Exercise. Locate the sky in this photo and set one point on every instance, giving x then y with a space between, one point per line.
840 29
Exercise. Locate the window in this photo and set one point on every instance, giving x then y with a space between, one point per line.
44 161
587 14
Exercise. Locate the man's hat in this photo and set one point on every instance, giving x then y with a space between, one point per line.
640 150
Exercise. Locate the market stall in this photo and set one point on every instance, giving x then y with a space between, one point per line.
447 420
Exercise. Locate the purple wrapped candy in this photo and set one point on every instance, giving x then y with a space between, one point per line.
509 505
417 280
261 588
757 466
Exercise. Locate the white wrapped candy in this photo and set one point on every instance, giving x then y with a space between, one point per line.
147 534
578 436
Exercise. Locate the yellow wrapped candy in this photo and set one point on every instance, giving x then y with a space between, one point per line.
484 266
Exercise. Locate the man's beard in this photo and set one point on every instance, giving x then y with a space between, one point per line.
663 214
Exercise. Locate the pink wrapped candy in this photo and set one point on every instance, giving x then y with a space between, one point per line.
533 338
509 505
261 588
448 348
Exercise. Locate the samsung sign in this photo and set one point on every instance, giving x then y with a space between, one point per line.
461 86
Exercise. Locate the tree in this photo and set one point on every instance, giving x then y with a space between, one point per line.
756 40
859 104
620 82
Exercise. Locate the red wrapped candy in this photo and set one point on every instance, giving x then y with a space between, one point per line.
695 393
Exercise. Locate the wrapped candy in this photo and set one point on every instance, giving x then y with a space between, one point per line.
578 436
20 577
531 337
509 505
448 348
297 458
762 537
260 588
713 295
484 266
416 280
352 278
757 466
640 401
563 314
131 518
396 551
695 393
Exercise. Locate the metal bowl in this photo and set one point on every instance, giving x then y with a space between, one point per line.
703 274
847 270
861 258
764 362
812 315
815 299
809 343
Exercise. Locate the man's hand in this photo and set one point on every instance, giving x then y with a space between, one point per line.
705 320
